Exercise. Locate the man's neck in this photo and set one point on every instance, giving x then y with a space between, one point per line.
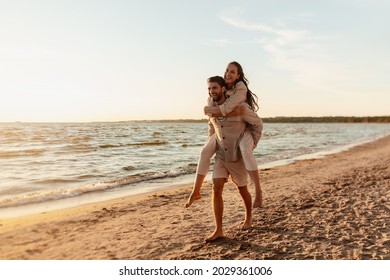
222 100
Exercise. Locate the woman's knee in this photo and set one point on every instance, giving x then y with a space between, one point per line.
246 146
206 153
208 150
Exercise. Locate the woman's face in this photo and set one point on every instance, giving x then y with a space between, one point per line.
231 74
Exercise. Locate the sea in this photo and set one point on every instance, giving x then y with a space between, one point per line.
48 166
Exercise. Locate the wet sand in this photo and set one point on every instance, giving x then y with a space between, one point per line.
337 207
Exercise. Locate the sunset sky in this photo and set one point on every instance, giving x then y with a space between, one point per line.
129 60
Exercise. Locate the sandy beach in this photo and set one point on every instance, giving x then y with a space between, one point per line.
336 207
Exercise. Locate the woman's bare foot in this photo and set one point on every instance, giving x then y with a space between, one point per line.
192 198
216 235
258 202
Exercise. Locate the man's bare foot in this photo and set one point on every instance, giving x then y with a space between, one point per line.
192 198
216 235
247 224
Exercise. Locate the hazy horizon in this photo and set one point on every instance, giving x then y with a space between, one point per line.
384 117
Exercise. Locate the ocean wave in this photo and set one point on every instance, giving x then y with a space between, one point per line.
152 143
76 140
21 153
107 146
147 176
48 195
128 168
77 148
57 194
12 134
192 145
15 190
55 181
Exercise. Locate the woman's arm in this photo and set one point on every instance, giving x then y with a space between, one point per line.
236 98
215 112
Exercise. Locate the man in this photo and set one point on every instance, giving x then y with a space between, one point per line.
228 160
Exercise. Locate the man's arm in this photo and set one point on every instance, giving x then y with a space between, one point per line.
211 129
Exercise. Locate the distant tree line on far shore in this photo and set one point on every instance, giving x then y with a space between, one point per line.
378 119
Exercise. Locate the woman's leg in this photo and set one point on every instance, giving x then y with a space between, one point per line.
203 168
246 146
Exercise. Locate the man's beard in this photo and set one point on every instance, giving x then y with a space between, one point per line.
218 97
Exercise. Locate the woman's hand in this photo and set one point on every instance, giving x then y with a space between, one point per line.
238 111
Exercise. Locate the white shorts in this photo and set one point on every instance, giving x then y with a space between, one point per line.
237 170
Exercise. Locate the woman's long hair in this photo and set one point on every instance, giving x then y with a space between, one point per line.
251 98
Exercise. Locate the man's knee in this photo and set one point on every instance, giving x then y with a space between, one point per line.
218 184
243 189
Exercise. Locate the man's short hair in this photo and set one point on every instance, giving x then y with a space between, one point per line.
217 79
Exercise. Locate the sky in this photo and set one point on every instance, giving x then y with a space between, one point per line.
120 60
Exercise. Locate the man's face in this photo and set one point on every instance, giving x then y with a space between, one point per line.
215 91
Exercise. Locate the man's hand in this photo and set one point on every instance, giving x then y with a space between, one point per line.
211 110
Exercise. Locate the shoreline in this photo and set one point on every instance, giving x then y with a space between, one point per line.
332 207
20 211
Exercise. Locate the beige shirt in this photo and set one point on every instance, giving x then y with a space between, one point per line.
229 131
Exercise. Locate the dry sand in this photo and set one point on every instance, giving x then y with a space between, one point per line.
337 207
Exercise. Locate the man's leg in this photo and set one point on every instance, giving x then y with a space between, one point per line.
217 204
255 178
247 200
239 177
